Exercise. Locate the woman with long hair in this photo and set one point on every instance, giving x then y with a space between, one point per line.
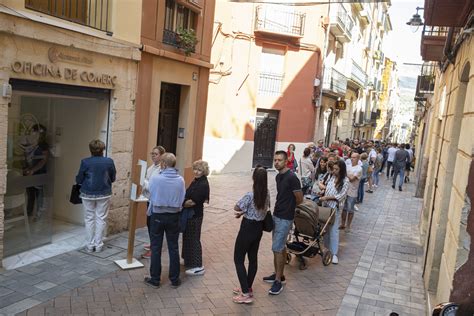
334 195
253 207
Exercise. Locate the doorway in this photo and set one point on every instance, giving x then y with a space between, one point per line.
49 129
168 116
265 137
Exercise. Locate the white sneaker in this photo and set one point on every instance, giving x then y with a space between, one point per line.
335 260
356 208
196 271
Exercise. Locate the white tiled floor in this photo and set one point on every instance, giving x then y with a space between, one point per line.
66 237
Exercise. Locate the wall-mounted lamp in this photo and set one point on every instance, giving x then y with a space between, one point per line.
415 22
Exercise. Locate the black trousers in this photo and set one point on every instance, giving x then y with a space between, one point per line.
247 243
192 248
389 166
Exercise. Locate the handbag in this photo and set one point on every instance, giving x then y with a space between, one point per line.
268 222
75 194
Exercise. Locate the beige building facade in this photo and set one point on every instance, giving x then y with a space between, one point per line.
66 78
448 155
353 65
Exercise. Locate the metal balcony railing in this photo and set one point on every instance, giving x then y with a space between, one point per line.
275 20
334 81
440 31
172 38
91 13
340 16
426 82
270 83
358 74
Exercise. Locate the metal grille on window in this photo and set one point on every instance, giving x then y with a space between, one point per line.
92 13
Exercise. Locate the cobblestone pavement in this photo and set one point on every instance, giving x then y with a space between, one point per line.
379 269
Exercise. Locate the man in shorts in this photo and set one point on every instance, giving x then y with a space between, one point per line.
289 195
354 173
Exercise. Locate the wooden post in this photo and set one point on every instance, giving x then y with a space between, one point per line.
131 231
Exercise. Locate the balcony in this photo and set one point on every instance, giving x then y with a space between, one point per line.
91 13
447 12
365 16
334 82
172 38
426 82
358 75
340 24
433 39
277 21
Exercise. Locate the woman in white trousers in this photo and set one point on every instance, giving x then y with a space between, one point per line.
96 175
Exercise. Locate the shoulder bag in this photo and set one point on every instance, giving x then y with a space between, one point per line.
268 222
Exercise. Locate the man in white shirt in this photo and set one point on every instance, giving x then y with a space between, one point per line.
391 157
354 173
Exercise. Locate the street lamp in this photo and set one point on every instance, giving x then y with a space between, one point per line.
415 22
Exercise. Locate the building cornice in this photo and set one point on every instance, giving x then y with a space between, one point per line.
178 57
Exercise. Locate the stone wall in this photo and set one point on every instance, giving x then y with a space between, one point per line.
450 144
25 40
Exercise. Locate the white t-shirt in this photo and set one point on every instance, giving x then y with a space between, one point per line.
410 153
372 155
354 185
349 162
391 154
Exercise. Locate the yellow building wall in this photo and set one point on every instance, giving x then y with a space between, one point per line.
125 18
458 113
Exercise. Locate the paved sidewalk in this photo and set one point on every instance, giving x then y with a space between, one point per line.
379 270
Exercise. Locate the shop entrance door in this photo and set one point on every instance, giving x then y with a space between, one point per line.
49 129
169 116
265 136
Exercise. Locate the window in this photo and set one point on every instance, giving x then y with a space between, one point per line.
272 65
177 16
92 13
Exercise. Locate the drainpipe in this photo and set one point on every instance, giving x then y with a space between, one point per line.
447 45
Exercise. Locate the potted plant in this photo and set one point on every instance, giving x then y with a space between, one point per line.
187 40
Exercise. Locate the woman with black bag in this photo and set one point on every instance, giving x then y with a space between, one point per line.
253 206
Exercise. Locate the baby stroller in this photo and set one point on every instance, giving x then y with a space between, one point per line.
310 226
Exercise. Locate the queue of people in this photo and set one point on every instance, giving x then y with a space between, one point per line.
334 177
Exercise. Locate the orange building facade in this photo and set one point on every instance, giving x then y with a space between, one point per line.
262 89
172 81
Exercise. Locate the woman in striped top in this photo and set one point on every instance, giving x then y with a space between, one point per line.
335 194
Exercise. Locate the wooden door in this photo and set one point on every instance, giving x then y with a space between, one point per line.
169 116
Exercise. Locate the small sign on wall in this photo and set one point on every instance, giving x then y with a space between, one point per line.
181 132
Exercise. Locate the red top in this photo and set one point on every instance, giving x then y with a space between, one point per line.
291 160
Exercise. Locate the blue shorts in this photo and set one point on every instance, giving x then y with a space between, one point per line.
281 229
349 204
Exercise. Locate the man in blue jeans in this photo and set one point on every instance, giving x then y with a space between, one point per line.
167 191
402 157
289 195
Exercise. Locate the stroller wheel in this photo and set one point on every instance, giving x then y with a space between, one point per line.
303 265
288 258
327 257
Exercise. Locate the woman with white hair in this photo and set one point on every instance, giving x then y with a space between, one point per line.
196 195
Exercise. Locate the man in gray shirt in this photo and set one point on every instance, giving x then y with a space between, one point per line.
402 157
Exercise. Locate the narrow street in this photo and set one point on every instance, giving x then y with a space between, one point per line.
379 270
